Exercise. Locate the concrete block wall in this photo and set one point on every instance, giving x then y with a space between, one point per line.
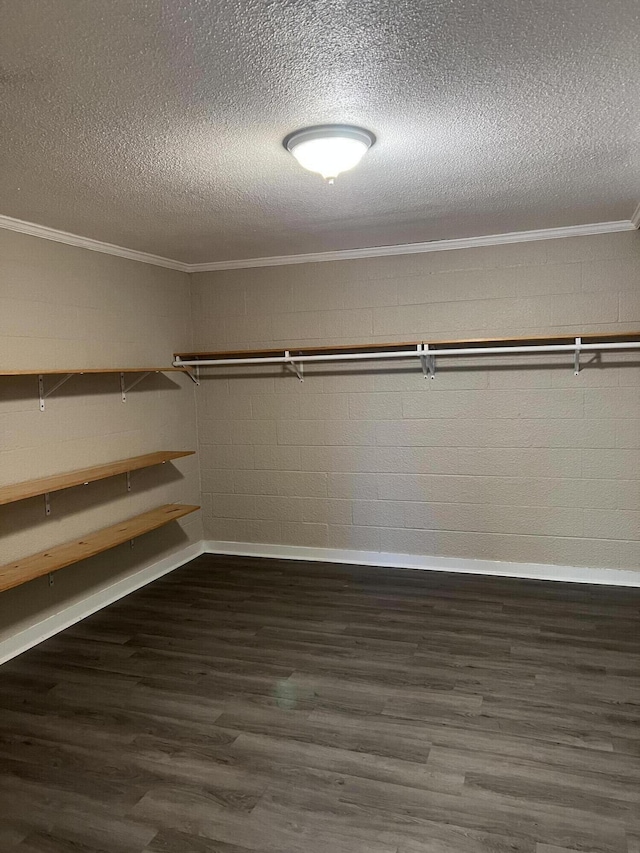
509 459
60 307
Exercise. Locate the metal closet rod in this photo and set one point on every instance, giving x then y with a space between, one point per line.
420 351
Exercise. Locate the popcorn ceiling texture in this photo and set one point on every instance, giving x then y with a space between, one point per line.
158 125
67 307
514 460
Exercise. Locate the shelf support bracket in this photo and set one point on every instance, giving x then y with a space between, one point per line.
47 503
124 388
297 368
44 394
427 361
128 481
50 579
423 360
193 374
576 357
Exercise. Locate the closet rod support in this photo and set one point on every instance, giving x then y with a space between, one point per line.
297 368
193 374
427 361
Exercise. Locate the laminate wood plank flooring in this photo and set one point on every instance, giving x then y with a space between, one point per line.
240 705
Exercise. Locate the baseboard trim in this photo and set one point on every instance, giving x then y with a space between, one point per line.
42 630
33 634
532 571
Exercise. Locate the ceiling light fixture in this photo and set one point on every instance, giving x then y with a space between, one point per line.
329 148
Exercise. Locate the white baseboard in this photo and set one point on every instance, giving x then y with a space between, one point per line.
533 571
35 633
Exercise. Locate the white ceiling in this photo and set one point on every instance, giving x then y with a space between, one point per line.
158 125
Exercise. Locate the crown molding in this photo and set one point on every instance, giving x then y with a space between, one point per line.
8 223
418 248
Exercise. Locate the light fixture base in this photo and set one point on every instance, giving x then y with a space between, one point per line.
329 148
325 131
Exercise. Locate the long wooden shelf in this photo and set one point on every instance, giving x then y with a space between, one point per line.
595 337
57 482
73 371
46 562
66 375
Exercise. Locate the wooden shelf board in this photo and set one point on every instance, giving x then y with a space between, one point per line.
79 372
595 337
297 350
399 345
60 556
57 482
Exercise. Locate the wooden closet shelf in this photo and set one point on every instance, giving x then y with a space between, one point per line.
60 556
595 337
296 350
57 482
76 371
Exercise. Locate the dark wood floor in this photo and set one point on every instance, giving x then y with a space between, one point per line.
243 705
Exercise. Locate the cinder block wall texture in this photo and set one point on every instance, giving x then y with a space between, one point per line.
514 459
66 307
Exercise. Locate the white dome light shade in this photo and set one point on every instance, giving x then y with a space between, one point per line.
329 149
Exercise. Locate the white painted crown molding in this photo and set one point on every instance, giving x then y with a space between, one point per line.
419 248
10 224
34 230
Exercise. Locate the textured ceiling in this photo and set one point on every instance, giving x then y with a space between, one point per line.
158 125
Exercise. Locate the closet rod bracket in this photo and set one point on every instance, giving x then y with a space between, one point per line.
192 371
576 357
295 366
193 374
427 361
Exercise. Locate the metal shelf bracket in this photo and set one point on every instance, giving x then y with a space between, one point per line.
193 374
295 366
124 388
427 361
44 394
192 371
576 357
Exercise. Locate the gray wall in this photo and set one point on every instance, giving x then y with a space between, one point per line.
60 307
512 460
